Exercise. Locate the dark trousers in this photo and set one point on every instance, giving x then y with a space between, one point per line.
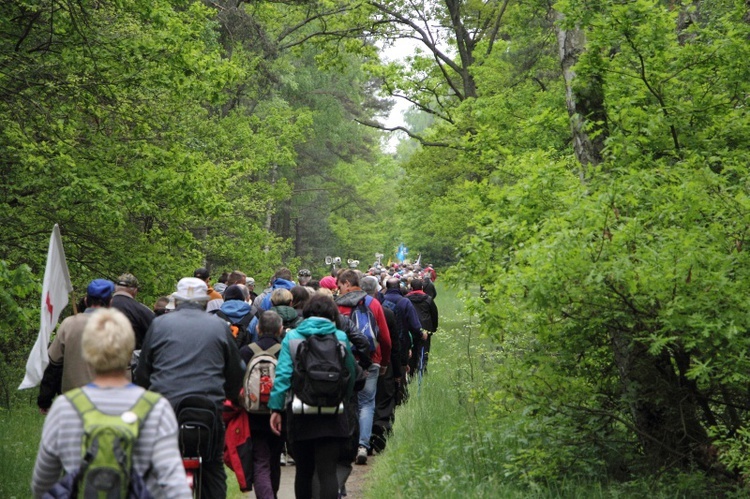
419 355
213 475
317 455
385 399
267 449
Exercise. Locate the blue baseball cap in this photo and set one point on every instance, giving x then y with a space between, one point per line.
101 289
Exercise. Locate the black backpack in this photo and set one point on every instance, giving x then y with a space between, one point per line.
403 337
238 329
320 377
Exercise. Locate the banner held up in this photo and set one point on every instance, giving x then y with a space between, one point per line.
55 290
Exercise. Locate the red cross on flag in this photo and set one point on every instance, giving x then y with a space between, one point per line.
55 291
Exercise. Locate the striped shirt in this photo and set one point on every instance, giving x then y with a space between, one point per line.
156 448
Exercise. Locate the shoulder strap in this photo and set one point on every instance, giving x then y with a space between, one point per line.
221 314
255 348
246 320
271 351
144 404
274 349
80 401
141 408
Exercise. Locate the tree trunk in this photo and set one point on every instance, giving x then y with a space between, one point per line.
465 45
269 208
585 100
663 406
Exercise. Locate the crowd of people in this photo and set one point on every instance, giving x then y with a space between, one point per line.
335 357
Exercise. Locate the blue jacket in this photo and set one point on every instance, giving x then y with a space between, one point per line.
276 284
283 381
405 312
235 309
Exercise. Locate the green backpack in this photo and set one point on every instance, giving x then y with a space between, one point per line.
107 447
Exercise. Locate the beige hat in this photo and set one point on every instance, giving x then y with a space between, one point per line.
191 289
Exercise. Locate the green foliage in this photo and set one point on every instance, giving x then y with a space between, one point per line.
17 286
108 141
639 270
166 135
486 422
622 294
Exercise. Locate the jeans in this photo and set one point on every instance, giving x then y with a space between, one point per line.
366 399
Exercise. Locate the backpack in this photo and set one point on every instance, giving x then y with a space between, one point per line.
320 377
238 329
364 321
391 305
107 446
403 337
259 378
199 423
425 318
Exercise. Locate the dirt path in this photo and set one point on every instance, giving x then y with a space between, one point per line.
354 486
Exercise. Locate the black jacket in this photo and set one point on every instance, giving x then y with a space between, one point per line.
426 309
139 315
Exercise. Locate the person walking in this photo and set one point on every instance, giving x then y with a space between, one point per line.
352 295
267 446
407 318
139 315
189 352
67 369
107 344
428 317
316 439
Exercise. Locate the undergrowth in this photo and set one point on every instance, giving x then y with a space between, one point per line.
463 435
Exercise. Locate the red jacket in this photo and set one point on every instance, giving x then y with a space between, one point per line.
238 455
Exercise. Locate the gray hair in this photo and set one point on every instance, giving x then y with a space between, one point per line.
269 323
369 284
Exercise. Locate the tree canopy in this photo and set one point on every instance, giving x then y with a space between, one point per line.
584 164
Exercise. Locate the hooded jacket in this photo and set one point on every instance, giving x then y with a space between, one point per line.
288 315
308 327
406 315
235 310
426 309
277 283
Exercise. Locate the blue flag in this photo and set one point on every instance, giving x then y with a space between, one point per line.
402 252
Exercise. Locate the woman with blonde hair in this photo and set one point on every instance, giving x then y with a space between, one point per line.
107 345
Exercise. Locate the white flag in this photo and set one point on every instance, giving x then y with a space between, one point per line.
55 291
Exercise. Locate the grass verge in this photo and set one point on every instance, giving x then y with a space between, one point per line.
20 431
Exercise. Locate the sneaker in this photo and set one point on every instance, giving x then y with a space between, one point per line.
361 455
283 459
289 460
